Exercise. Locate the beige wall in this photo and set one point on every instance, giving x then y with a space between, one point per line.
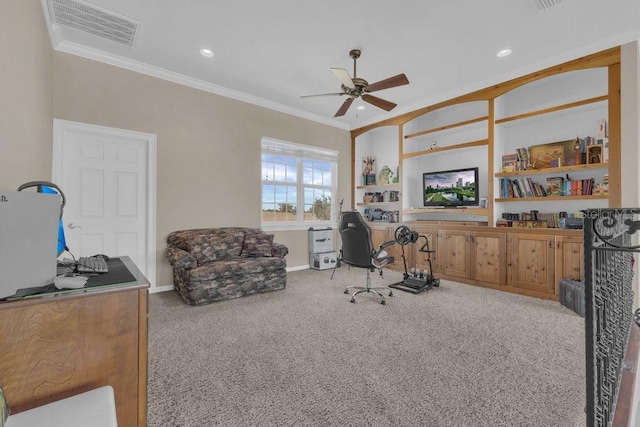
208 145
25 94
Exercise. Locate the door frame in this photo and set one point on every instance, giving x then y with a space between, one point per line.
150 142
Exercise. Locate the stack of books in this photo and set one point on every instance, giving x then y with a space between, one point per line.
521 187
509 162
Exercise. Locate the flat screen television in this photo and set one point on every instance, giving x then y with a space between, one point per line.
451 188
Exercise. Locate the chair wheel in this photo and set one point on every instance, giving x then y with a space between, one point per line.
390 293
352 300
346 291
383 302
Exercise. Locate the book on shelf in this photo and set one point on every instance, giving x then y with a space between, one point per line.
535 219
523 158
517 191
578 187
554 185
525 187
509 162
513 188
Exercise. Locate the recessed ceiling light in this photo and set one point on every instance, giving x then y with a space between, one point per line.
206 52
503 53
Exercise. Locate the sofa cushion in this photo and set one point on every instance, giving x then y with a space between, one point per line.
234 267
257 244
205 248
179 238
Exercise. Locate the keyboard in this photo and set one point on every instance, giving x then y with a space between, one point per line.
92 264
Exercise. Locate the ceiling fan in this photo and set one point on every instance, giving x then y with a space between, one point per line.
357 87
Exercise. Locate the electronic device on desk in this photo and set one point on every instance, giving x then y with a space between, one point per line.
29 224
93 264
70 281
416 281
451 189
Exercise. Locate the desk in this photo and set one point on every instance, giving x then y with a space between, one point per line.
57 345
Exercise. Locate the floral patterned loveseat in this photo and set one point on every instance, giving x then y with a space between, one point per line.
215 264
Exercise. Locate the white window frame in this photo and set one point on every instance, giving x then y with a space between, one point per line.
300 152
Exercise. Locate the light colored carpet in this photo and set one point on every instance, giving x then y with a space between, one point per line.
457 355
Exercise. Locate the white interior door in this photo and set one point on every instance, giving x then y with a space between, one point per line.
108 177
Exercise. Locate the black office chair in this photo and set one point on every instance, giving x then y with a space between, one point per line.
357 250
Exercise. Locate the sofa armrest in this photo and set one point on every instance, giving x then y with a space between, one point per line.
180 258
279 250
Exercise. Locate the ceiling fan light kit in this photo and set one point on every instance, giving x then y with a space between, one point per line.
357 87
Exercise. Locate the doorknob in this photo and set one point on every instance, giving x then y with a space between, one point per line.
72 226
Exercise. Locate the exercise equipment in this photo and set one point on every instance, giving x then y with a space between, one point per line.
415 280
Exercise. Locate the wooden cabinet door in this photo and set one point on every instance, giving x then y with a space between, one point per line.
489 257
454 253
379 235
394 250
569 259
531 262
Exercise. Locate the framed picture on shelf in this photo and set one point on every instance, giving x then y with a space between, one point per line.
594 154
367 214
561 153
555 185
368 165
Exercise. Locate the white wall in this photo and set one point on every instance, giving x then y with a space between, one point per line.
630 82
630 74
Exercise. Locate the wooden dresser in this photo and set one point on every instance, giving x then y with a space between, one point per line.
56 346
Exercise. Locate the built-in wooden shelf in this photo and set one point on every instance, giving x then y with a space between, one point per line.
553 170
552 198
376 203
374 186
442 128
553 109
467 211
477 143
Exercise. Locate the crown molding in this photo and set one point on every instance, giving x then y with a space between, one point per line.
142 68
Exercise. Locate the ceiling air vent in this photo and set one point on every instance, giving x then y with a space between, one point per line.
546 4
86 17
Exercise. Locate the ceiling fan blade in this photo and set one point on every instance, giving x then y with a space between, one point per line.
323 94
343 76
380 103
344 107
394 81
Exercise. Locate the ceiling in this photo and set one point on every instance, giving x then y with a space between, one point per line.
271 52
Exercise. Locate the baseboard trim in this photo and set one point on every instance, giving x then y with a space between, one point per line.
161 289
